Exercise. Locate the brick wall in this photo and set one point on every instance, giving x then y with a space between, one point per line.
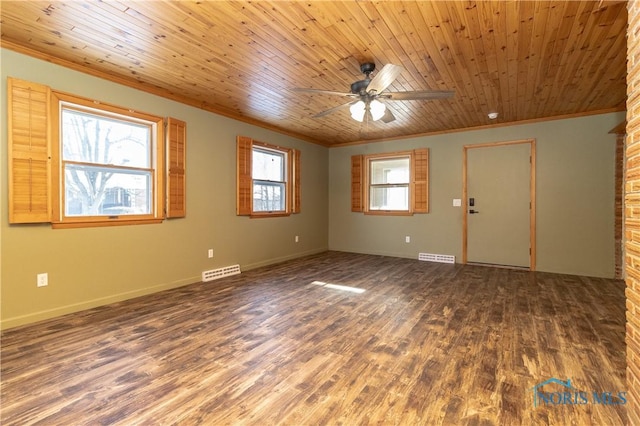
632 213
619 213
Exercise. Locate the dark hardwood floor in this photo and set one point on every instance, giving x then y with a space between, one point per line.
424 344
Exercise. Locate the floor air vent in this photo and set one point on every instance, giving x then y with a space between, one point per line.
441 258
214 274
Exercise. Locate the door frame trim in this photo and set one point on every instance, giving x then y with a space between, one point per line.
532 195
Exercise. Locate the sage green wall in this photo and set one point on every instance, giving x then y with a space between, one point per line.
93 266
575 196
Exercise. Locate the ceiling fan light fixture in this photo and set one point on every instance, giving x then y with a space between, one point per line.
377 109
357 111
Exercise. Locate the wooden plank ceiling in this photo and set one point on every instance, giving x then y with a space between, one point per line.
524 60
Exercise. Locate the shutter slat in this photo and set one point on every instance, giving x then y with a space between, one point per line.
421 180
29 152
296 192
176 162
356 183
243 181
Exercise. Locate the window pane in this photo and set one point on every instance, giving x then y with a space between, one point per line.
268 165
268 196
392 170
93 138
393 198
95 191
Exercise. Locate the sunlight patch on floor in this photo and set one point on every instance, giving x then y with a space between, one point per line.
339 287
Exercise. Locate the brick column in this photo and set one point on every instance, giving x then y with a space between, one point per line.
619 206
632 213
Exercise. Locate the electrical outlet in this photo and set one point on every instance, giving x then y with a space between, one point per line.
407 239
43 280
210 253
297 239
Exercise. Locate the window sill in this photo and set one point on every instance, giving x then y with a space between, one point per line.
101 223
388 213
263 215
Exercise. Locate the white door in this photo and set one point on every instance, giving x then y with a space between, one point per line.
499 204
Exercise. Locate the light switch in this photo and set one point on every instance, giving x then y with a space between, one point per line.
457 202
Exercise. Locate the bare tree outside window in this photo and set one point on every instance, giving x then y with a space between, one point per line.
106 164
268 180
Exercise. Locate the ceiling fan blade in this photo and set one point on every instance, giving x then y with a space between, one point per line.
417 95
322 92
388 116
334 109
384 78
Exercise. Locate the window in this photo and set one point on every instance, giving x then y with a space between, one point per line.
269 168
268 179
78 162
390 184
108 162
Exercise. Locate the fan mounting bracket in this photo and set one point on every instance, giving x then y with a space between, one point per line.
367 68
360 87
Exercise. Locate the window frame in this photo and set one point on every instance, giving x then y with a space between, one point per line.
59 218
284 173
245 181
372 185
418 182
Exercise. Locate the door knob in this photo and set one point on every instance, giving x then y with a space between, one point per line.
472 211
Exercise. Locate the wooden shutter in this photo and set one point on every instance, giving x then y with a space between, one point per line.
420 171
29 152
243 180
176 168
295 191
356 183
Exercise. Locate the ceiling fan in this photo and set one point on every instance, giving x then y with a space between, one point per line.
366 94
